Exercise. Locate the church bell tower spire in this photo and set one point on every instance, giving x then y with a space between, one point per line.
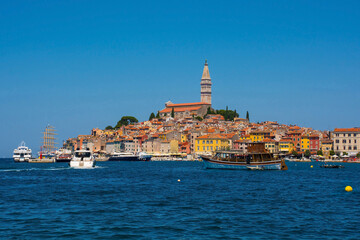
206 85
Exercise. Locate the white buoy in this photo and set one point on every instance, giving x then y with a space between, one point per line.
178 180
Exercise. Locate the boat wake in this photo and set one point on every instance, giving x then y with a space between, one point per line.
32 169
42 169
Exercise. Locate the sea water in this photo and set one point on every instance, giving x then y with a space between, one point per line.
146 200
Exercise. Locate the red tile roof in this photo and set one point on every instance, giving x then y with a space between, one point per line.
182 109
213 136
186 104
347 130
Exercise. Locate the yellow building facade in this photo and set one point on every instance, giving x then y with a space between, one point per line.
305 143
211 142
259 136
286 146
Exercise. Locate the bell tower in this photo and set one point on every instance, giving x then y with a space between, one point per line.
206 85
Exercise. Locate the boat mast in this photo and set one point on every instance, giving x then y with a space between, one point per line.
48 139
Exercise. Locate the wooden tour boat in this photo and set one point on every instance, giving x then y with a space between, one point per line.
257 158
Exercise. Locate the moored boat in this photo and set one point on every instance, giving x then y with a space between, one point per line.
128 156
256 159
22 153
63 155
82 159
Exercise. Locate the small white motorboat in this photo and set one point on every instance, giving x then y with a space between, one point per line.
82 159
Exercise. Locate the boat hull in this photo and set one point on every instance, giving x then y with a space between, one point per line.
21 159
217 164
128 158
82 164
63 159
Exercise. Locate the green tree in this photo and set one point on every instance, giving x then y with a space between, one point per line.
358 155
247 116
109 128
126 120
307 153
332 153
228 115
345 153
294 153
172 113
158 115
210 111
319 152
152 116
198 118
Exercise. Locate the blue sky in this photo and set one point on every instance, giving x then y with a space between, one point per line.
84 64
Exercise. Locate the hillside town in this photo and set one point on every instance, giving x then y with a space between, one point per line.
188 130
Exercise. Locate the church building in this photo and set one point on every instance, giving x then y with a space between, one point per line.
192 109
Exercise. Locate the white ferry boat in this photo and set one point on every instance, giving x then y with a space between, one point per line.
22 153
82 159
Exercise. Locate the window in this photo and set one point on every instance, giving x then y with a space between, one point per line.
355 147
337 141
211 148
198 148
298 139
344 140
349 147
349 135
216 141
207 148
203 141
354 140
354 134
349 140
344 148
198 141
211 142
337 147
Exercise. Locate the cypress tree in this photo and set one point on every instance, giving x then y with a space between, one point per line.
152 116
247 116
172 113
158 115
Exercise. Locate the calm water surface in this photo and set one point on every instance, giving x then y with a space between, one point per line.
144 200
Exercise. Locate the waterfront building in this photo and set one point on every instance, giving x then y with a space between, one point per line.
286 145
326 146
305 143
165 147
151 146
295 135
212 142
347 140
259 136
241 145
314 143
184 147
271 145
